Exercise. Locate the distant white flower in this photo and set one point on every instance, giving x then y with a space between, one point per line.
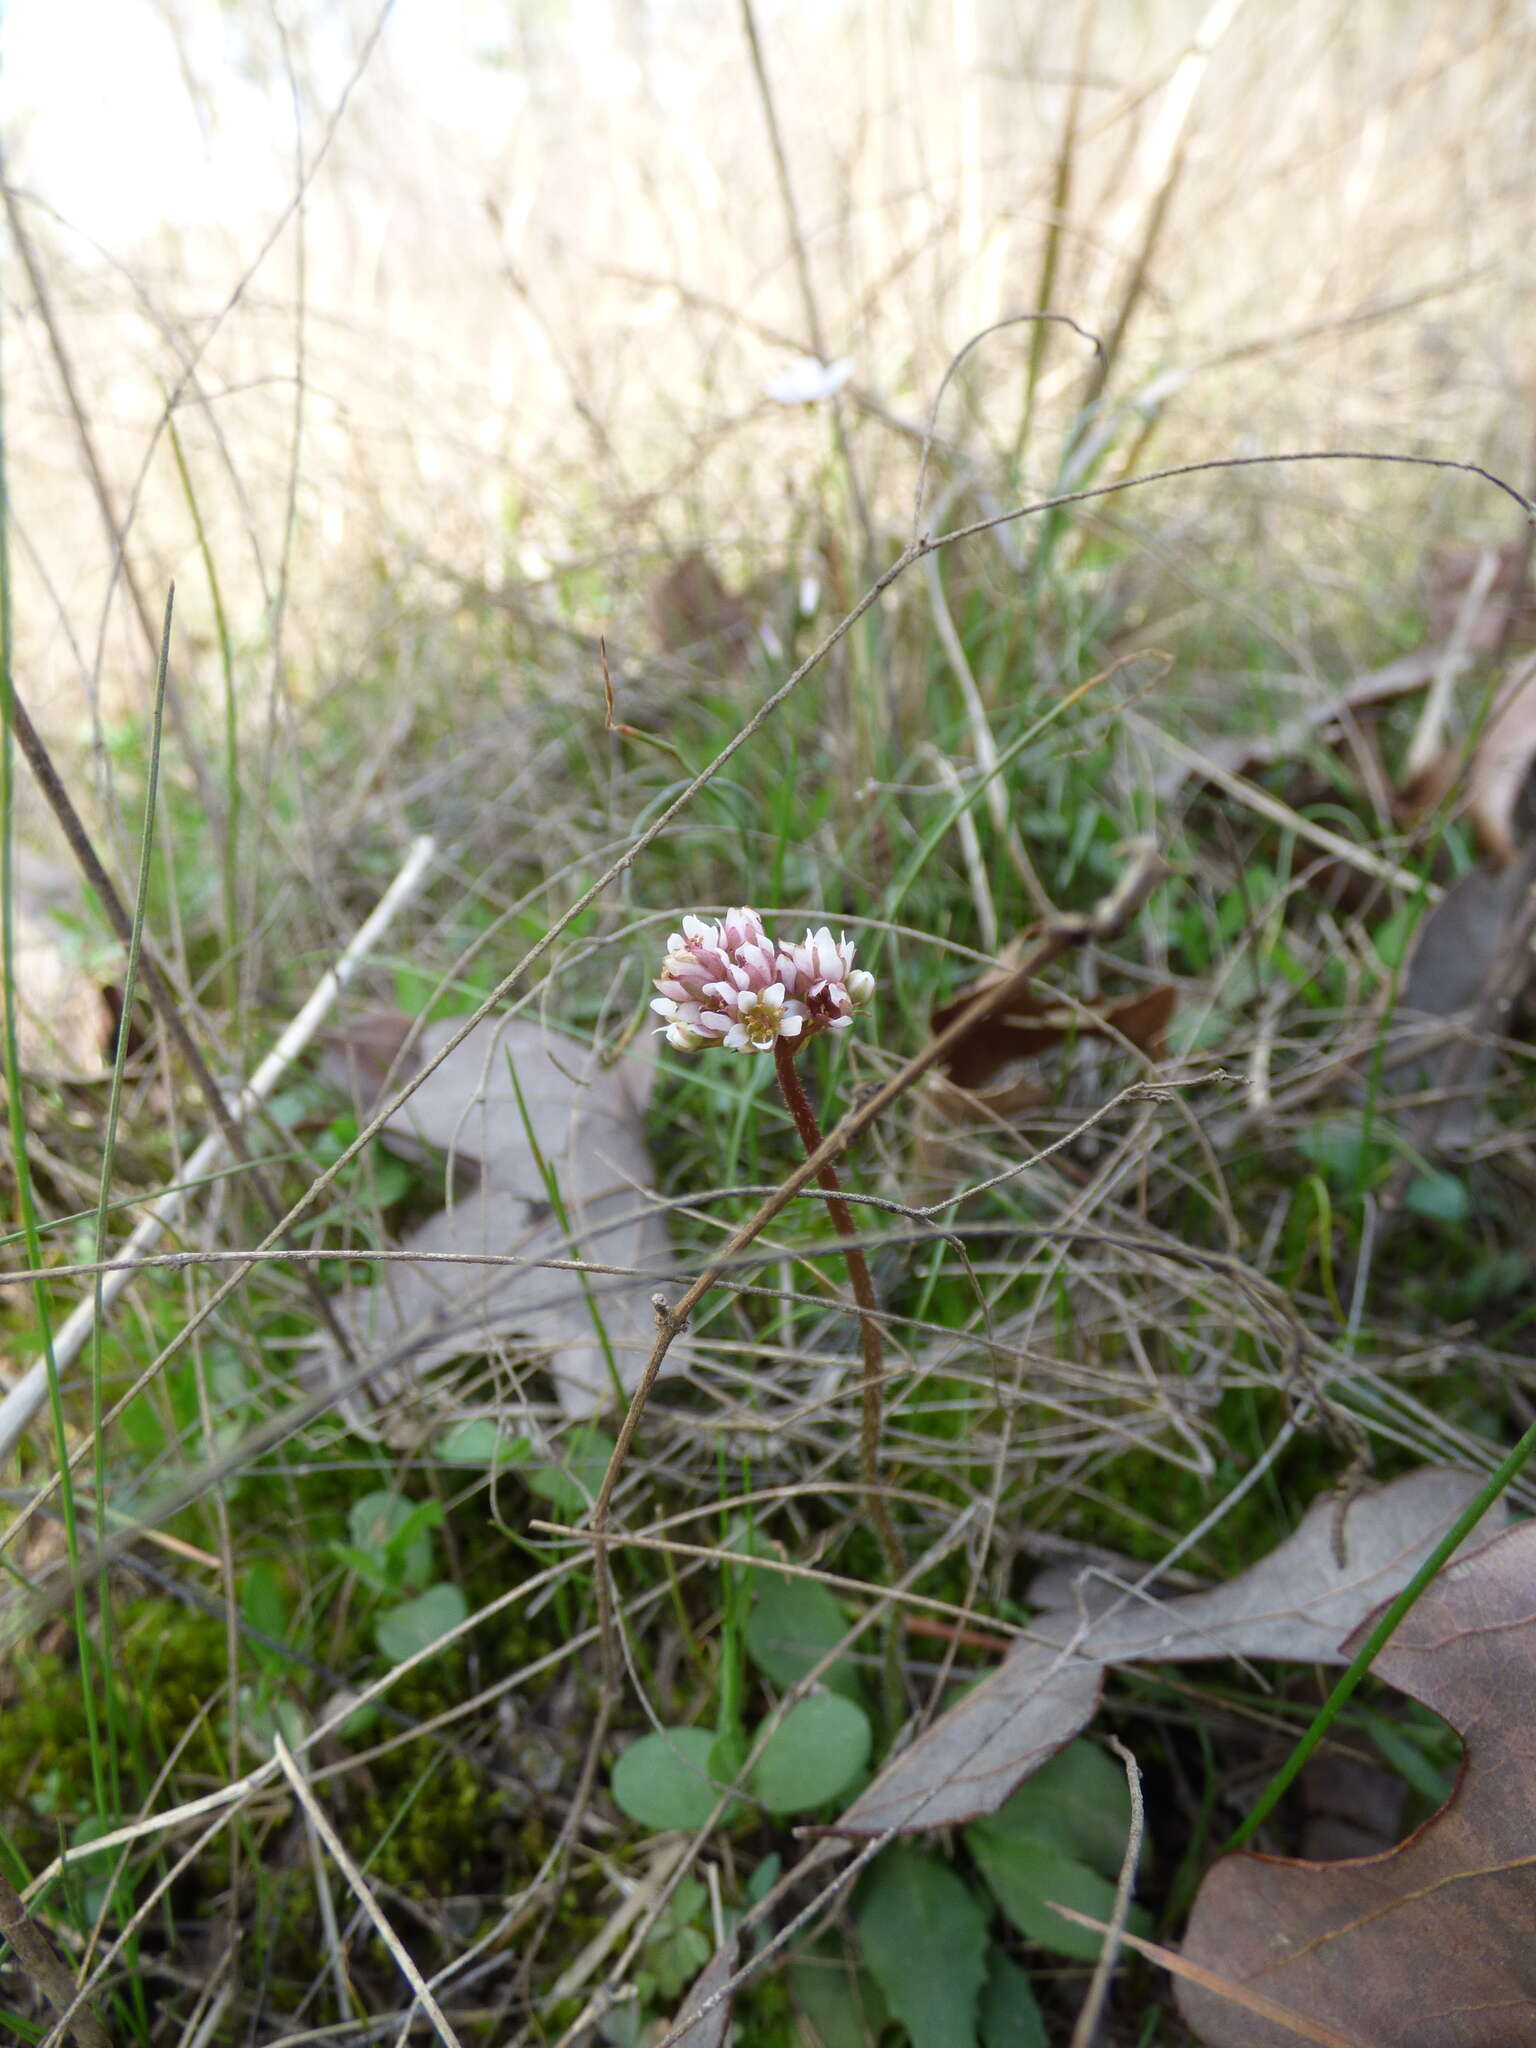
805 380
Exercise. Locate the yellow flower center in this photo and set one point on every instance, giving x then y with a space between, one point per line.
762 1021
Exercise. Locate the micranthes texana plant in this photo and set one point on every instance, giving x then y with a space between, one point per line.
730 984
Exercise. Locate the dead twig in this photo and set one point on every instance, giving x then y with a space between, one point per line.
38 1958
1093 2005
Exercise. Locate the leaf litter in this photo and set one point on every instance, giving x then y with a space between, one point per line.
1294 1604
546 1160
1290 1606
986 1076
1428 1944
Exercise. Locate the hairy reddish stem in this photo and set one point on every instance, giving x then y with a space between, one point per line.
870 1340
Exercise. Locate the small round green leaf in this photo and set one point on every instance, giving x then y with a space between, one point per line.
396 1534
570 1484
1438 1197
817 1751
479 1441
403 1631
663 1780
792 1626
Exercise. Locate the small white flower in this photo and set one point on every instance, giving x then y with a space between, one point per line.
681 1028
805 380
762 1015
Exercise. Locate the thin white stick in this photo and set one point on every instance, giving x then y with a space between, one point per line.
1428 742
1093 2005
21 1404
315 1814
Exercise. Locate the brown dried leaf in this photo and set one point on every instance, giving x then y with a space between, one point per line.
1452 571
1501 777
1293 1604
1353 1808
693 613
1292 2025
587 1123
707 2029
1428 1945
1030 1024
1464 953
983 1749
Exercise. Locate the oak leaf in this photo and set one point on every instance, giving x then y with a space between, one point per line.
1427 1945
552 1233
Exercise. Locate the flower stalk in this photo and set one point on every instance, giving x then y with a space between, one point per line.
729 984
871 1342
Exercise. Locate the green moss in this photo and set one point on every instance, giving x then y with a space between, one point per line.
167 1663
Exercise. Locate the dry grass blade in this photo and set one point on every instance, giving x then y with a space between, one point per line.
319 1820
1114 1934
1157 174
23 1399
1291 820
1428 742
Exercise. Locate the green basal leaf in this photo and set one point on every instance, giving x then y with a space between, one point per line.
923 1935
1438 1197
839 2002
404 1631
396 1534
664 1780
817 1751
1009 2014
1078 1800
792 1626
481 1442
1026 1875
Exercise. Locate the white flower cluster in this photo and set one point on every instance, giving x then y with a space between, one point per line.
730 984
